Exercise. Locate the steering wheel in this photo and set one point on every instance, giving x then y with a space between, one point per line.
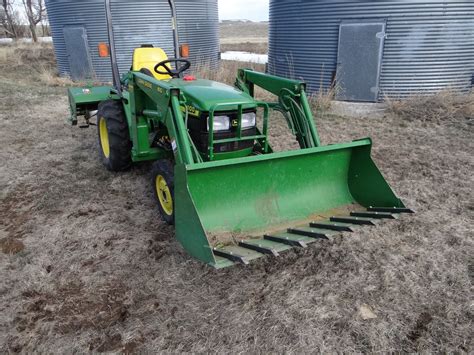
174 73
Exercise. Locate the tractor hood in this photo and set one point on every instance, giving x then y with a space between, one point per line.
204 94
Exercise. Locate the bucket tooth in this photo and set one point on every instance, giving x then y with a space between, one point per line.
390 209
374 215
353 220
259 248
312 233
334 226
285 240
230 256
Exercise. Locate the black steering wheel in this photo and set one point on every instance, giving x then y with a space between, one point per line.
181 65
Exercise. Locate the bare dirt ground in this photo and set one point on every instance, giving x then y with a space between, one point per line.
87 265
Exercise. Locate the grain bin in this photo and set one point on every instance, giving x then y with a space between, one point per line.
372 49
79 26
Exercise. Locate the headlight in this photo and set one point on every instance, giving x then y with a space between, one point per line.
248 120
221 123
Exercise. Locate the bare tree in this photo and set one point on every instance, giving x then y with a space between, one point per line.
9 18
35 11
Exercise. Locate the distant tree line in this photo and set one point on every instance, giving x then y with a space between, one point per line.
23 18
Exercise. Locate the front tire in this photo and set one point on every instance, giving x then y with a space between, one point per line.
163 187
114 138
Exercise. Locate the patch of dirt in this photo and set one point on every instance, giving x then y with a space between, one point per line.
11 246
15 210
74 308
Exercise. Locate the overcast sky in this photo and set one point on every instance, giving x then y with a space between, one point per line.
255 10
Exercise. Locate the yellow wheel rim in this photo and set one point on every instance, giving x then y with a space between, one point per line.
164 195
104 137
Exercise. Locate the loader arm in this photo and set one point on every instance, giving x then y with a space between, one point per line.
159 102
292 103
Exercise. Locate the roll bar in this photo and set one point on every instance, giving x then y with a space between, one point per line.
110 34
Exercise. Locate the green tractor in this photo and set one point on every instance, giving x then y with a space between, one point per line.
214 174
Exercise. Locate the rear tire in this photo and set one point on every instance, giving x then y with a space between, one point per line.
163 188
114 138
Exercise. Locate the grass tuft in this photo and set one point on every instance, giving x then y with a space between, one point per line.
444 106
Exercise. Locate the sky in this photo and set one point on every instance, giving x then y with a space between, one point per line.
255 10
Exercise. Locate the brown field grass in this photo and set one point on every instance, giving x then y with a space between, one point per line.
245 37
86 265
237 29
443 107
259 48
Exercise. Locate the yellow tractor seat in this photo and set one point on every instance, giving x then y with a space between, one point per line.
147 58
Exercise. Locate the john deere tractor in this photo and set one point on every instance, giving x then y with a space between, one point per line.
214 173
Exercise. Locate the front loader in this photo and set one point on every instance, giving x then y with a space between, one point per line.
214 173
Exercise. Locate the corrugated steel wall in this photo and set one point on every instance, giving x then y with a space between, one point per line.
135 23
429 45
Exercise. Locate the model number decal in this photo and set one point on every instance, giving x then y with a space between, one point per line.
191 110
145 83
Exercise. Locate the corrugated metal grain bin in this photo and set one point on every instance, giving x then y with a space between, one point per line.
79 26
372 49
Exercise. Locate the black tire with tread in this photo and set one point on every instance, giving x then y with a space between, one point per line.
164 168
119 137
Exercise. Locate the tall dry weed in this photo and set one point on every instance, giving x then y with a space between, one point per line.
226 72
445 106
35 59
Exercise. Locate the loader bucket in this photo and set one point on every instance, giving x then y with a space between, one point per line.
239 209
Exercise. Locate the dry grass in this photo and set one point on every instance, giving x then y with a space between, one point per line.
243 30
27 56
244 36
35 60
443 107
259 48
226 72
98 271
321 101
